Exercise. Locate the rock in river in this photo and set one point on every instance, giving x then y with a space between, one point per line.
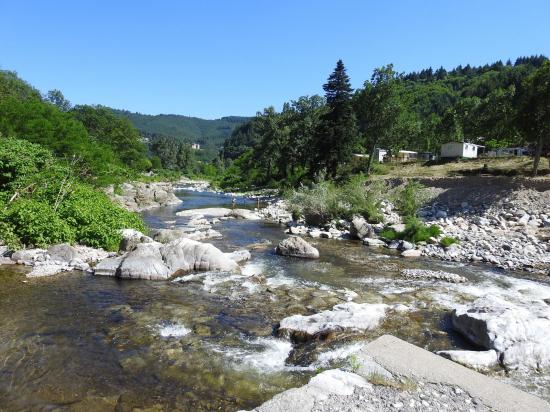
519 333
183 255
479 360
345 316
297 247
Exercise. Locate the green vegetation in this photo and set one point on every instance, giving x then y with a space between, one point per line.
210 134
43 201
448 241
409 198
53 160
312 138
415 231
325 201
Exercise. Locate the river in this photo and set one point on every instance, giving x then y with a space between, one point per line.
206 341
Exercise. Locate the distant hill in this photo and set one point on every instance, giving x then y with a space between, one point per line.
191 129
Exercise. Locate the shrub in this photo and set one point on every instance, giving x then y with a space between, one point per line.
448 241
415 231
326 200
35 223
96 220
410 198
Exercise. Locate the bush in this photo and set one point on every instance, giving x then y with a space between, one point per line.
95 219
326 201
410 198
415 231
448 241
35 223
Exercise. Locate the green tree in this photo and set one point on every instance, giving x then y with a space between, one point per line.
378 107
56 98
336 134
534 113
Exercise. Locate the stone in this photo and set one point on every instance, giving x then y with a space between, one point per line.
440 214
48 269
29 255
244 214
432 274
209 212
479 360
360 228
404 245
167 235
296 247
411 253
144 262
373 242
349 316
109 266
183 255
63 252
239 255
333 382
131 238
518 332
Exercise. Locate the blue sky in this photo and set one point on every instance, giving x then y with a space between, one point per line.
215 58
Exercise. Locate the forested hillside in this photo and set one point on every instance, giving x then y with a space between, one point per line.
496 105
209 133
53 160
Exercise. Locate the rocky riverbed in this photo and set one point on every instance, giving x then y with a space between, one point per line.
233 336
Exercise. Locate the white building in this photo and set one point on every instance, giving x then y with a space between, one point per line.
379 154
460 149
196 146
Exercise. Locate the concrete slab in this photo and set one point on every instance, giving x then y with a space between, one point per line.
404 359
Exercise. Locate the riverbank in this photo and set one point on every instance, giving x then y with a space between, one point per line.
504 222
266 324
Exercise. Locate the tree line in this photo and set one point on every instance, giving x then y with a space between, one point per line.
497 105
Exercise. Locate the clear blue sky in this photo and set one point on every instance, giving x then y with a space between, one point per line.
235 57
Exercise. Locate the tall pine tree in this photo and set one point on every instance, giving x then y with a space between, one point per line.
337 133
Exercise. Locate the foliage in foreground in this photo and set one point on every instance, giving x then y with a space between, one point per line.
326 200
415 231
43 201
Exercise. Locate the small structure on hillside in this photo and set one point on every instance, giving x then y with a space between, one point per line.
380 154
460 149
426 156
196 146
508 152
404 156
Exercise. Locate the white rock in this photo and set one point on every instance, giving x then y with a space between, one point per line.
480 360
345 316
297 247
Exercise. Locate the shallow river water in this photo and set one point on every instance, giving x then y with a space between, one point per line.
206 341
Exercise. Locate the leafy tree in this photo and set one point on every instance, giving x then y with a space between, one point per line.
534 113
378 107
336 134
56 98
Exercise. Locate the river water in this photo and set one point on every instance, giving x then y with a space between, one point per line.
206 341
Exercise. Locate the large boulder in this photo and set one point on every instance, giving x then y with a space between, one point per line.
350 316
29 256
360 228
244 214
297 247
63 252
519 333
131 238
109 266
144 262
183 255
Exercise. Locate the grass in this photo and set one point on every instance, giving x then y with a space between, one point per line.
448 241
415 231
507 166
